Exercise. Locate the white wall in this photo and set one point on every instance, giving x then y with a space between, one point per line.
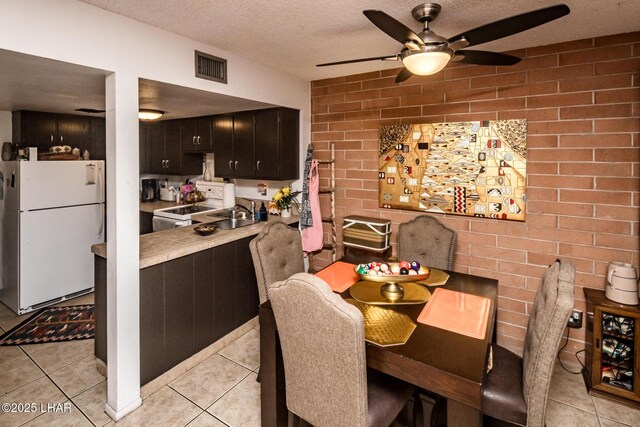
5 126
67 30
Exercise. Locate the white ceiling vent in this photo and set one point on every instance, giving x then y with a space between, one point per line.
211 67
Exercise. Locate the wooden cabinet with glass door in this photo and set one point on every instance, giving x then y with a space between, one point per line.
612 347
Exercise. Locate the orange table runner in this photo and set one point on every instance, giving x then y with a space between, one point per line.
457 312
339 276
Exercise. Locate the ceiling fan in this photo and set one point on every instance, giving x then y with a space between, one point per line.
427 52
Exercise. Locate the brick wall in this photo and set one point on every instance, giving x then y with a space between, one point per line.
582 103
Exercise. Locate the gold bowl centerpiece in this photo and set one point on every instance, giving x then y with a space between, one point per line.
396 283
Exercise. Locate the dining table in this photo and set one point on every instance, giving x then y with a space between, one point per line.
441 361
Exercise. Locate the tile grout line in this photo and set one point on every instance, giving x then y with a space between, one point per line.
61 391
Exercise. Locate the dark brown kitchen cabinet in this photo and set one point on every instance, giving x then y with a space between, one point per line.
277 144
44 130
98 148
261 144
223 145
160 151
195 135
186 304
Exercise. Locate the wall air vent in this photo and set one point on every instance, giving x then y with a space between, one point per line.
211 67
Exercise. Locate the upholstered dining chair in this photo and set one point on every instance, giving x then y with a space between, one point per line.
516 388
323 350
277 254
428 241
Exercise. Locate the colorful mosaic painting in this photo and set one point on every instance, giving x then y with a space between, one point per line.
465 168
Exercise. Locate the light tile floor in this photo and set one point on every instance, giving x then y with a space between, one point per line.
220 391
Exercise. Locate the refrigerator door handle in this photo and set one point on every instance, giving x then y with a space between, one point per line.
101 222
13 180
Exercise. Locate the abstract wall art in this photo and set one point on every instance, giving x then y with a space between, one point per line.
475 168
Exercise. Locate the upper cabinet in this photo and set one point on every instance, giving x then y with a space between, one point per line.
44 130
160 150
261 144
195 135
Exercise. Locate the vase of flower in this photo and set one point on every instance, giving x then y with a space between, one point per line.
283 199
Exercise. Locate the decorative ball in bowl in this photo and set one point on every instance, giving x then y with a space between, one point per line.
393 272
205 229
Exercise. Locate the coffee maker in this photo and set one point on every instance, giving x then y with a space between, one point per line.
149 190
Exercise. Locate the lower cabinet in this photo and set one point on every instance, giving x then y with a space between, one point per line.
186 304
612 363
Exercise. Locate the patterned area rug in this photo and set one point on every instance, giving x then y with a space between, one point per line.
74 322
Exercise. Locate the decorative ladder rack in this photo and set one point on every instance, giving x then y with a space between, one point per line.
331 218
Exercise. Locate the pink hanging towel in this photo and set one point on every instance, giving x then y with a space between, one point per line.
312 236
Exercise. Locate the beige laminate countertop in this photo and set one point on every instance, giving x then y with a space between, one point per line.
163 246
149 207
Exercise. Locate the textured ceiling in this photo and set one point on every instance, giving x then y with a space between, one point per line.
294 35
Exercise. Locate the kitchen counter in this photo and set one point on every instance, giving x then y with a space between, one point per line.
149 207
163 246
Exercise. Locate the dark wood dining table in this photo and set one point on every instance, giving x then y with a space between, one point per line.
440 361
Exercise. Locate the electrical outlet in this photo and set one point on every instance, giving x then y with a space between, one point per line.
575 320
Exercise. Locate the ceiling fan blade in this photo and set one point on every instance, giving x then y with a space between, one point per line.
351 61
393 28
481 57
403 75
513 25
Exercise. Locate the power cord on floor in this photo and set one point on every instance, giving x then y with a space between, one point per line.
576 354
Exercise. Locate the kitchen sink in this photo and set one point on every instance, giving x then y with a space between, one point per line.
231 223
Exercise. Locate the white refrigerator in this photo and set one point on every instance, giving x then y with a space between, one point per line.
51 213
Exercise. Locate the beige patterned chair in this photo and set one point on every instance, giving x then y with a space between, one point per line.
516 389
323 349
428 241
277 254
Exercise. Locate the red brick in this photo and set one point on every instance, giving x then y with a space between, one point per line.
561 73
560 47
597 54
450 108
380 103
334 117
595 224
401 112
362 115
559 100
617 39
538 115
477 238
534 63
631 65
521 269
596 197
573 209
345 106
543 220
618 125
328 136
618 184
575 126
470 95
596 141
423 119
526 244
630 243
497 253
498 80
541 168
447 86
560 155
362 95
317 91
591 252
596 111
617 96
337 98
471 117
379 83
594 169
517 319
555 235
460 71
401 91
319 127
498 104
361 134
363 76
343 126
541 88
541 141
347 145
345 87
596 83
560 181
430 97
542 194
498 227
618 212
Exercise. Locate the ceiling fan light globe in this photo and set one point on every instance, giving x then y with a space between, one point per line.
149 114
426 63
